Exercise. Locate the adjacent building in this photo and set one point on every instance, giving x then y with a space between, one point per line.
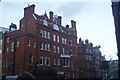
42 41
90 59
113 68
116 15
2 31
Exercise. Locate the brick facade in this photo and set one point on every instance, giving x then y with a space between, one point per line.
43 42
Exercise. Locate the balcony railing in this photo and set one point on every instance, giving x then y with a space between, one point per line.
65 55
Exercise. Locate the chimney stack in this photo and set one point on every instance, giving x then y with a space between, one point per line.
12 27
73 24
59 20
51 15
86 41
29 10
67 26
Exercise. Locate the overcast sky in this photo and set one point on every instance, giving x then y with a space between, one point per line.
94 19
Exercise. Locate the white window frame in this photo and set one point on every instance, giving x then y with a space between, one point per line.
71 52
0 51
45 34
7 50
48 47
28 42
48 61
64 62
34 44
0 41
54 49
63 50
41 46
18 44
12 46
55 27
70 42
54 37
65 42
54 61
68 62
58 39
41 33
41 60
58 61
45 22
48 35
58 49
45 60
31 59
45 46
62 40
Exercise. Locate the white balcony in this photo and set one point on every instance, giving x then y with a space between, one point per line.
65 56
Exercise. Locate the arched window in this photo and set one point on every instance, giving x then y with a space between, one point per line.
45 22
55 27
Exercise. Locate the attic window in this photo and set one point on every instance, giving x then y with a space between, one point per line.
45 22
55 27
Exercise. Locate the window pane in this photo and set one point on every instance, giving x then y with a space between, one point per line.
0 41
54 61
48 35
65 42
41 33
48 48
54 37
55 27
0 51
41 60
58 62
45 60
41 46
54 49
48 61
17 43
30 58
58 49
63 50
45 22
28 42
58 39
12 46
34 44
45 36
70 42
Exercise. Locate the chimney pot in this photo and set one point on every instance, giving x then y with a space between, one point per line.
51 15
59 20
73 24
29 9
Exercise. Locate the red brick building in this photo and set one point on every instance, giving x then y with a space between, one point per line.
90 59
42 41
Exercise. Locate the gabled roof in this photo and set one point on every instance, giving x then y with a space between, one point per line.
39 17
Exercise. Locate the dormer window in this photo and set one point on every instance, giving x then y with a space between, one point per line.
55 27
45 22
